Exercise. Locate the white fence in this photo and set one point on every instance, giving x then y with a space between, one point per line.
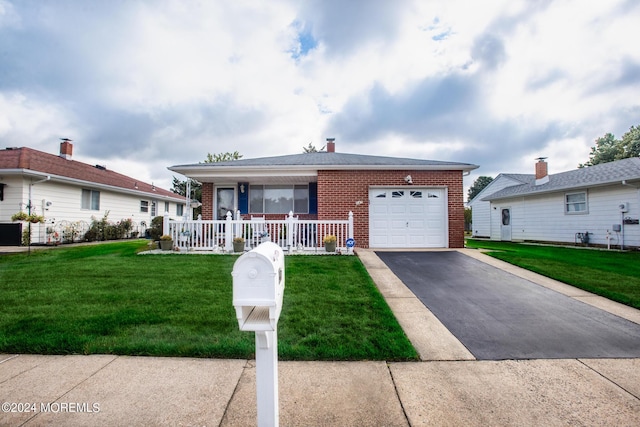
291 233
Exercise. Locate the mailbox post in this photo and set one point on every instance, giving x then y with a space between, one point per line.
258 288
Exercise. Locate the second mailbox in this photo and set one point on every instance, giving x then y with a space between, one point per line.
258 287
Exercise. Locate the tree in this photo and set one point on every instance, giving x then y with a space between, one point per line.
631 142
311 148
222 157
609 149
478 186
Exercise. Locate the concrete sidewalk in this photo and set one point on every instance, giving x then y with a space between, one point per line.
449 387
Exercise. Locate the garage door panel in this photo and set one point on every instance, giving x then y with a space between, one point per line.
397 209
408 218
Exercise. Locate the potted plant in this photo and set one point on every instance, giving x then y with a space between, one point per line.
166 242
329 243
20 216
238 244
34 219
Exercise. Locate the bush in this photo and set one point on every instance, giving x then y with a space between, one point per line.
102 229
156 228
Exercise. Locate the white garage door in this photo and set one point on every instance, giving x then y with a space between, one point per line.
407 218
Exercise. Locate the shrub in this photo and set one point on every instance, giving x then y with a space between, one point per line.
155 231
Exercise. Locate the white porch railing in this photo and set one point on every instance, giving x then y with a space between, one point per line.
290 233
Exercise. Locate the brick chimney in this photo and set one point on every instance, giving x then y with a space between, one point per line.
331 145
542 173
66 149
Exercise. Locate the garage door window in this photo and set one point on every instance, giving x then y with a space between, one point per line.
397 194
416 194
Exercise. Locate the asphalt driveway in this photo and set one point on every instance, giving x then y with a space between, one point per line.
498 315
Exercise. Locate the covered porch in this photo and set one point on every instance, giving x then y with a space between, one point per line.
292 234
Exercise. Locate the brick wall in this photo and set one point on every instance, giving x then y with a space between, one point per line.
207 200
338 192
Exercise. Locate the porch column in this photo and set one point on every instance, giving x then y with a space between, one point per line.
228 233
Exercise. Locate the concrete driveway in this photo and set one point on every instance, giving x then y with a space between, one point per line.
497 315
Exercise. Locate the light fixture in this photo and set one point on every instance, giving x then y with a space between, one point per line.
242 188
408 179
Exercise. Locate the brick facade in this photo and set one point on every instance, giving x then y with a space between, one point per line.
338 192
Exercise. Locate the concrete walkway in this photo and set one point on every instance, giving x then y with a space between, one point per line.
448 388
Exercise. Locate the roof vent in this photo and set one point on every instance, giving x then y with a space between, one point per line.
101 167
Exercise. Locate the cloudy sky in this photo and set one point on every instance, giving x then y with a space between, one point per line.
142 85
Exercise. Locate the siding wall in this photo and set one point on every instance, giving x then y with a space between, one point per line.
480 210
66 203
542 217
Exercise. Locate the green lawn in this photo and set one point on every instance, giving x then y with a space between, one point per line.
106 299
612 274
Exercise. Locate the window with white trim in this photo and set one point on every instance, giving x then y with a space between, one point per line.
90 200
278 199
179 209
575 203
144 206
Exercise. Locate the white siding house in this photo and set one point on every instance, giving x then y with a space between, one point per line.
68 193
481 209
601 202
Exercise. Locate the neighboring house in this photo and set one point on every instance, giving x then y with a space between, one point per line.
70 193
480 209
601 200
396 202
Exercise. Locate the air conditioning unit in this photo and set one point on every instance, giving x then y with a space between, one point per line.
623 207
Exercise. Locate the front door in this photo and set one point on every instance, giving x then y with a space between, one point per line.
225 202
505 224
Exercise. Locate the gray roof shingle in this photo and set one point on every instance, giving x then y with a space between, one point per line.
591 176
330 159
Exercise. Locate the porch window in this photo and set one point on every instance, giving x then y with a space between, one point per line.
280 199
90 200
575 203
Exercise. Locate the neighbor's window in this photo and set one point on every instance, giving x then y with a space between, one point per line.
153 209
179 210
278 198
166 207
90 200
144 206
575 203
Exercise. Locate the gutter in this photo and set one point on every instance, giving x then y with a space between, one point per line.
112 188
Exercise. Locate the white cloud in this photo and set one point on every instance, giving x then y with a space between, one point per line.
159 83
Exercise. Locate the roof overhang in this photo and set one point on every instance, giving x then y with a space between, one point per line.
79 182
634 182
289 174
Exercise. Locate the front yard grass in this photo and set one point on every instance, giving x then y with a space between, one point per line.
105 299
611 274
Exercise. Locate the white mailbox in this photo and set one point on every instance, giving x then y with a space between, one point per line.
258 287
